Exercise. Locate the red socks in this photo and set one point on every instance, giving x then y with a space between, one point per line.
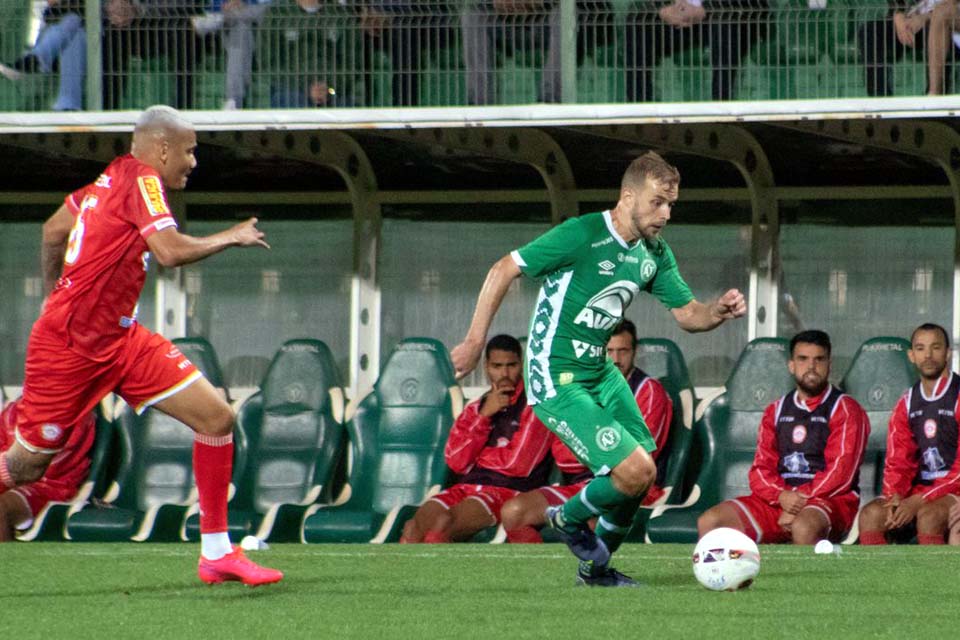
873 537
524 535
930 538
436 537
212 466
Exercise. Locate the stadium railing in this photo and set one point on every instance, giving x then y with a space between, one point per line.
413 54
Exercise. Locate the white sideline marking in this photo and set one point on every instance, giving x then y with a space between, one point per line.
779 554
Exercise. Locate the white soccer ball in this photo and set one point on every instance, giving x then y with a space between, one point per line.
726 560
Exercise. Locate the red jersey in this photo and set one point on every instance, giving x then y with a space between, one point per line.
657 409
507 449
923 447
105 264
70 465
833 468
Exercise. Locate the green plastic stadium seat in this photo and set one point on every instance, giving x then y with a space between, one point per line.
201 353
155 485
294 427
49 523
662 359
725 438
877 377
397 433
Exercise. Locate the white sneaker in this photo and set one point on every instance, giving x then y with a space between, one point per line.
207 23
10 73
230 105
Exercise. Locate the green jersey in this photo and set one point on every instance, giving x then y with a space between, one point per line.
591 275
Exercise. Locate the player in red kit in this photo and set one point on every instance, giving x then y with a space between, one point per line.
805 474
497 448
921 470
20 505
87 342
525 514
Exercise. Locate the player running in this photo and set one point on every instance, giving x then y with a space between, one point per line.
87 342
593 267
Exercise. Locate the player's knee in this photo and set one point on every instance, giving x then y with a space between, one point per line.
511 514
708 521
637 475
930 519
873 517
24 469
219 423
806 531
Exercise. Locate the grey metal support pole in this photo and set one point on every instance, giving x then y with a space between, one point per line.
170 317
568 51
94 83
343 154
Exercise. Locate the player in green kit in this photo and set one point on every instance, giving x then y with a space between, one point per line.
593 267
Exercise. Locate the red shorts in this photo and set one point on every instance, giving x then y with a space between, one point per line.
558 494
759 519
492 498
62 386
37 494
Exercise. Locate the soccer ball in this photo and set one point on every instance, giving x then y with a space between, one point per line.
726 560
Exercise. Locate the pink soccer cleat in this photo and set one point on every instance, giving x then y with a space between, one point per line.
236 566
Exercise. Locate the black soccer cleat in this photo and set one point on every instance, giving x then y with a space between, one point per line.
592 575
582 542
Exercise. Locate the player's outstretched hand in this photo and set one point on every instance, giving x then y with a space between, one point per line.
731 305
247 234
465 357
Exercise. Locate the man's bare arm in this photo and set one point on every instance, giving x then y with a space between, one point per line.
56 232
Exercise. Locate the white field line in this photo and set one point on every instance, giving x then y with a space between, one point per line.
320 551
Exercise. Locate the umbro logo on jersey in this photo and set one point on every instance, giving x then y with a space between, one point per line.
103 181
606 268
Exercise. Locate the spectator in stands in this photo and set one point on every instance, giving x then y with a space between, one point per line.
238 20
803 481
526 513
497 448
921 471
61 43
150 29
20 505
883 42
407 31
307 54
487 26
728 27
942 40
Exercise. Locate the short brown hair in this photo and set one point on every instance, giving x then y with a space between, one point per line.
651 165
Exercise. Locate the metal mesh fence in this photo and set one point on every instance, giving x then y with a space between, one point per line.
209 54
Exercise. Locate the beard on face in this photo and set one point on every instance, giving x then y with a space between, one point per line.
812 385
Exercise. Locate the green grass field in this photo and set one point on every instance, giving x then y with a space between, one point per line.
465 591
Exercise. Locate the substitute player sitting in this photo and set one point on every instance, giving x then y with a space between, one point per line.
803 481
921 470
526 513
87 342
497 448
20 505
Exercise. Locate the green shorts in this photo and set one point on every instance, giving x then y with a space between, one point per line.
599 422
